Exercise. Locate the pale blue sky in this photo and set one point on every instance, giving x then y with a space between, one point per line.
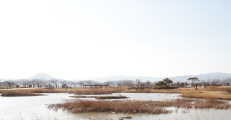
77 39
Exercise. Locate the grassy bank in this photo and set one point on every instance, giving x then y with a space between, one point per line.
92 92
207 94
111 97
19 93
150 107
102 97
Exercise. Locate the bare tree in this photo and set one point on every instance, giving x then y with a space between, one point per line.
70 83
138 81
89 82
74 83
147 83
10 83
64 83
216 82
110 83
25 82
81 83
119 83
128 83
38 82
33 82
54 82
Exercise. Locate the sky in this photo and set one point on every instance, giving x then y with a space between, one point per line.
80 39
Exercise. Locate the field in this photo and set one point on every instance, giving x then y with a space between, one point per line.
209 92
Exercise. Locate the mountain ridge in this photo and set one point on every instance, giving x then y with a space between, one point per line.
206 76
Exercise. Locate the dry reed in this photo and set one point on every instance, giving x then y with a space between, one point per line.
207 94
111 97
92 92
19 93
77 106
150 107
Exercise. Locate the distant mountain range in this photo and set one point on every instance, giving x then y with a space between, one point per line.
207 76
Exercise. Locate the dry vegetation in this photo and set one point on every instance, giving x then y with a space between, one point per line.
19 93
111 97
77 106
92 92
29 92
101 97
208 92
125 106
3 87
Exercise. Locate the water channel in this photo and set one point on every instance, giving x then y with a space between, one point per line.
35 108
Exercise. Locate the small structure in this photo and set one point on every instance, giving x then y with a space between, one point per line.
96 86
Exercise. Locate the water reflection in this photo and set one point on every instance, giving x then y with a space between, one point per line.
140 96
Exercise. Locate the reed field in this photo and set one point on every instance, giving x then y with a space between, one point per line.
208 92
19 93
127 106
92 92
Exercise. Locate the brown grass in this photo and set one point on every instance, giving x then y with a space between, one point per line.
101 97
92 92
88 91
77 106
223 92
226 89
150 107
18 93
207 94
111 97
42 90
211 103
3 87
212 88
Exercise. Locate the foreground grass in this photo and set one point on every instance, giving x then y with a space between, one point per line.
19 93
77 106
125 106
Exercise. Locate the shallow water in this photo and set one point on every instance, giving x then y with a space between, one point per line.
140 96
32 107
35 108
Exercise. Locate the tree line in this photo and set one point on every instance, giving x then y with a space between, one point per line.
57 83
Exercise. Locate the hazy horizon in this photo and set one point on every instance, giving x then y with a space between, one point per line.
42 75
93 39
